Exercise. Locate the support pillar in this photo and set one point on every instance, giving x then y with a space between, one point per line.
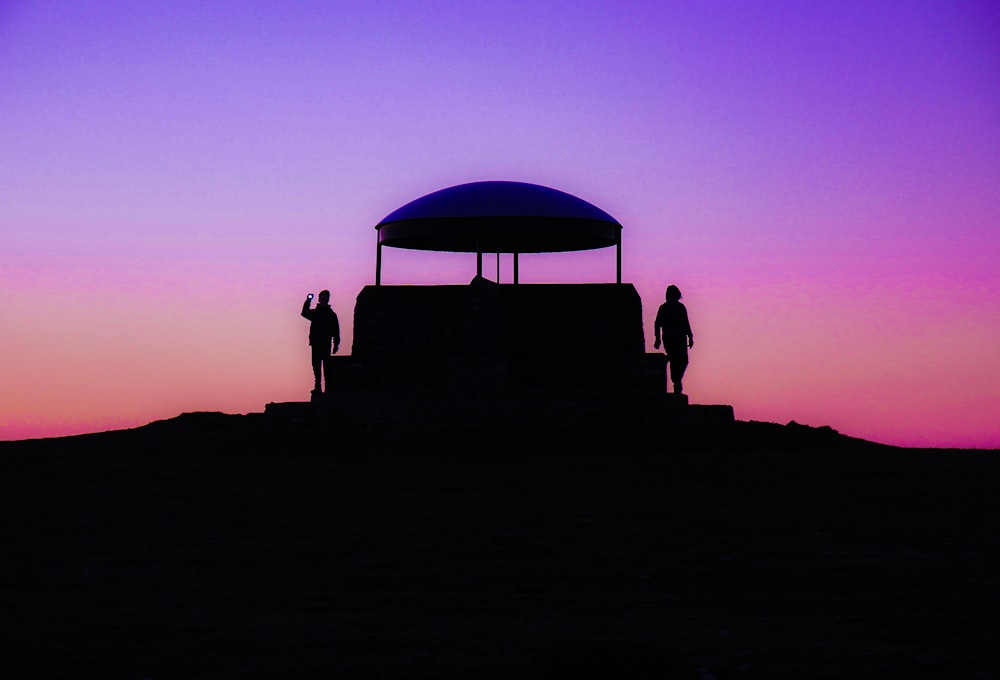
618 248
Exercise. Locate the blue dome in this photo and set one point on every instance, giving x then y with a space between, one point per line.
499 217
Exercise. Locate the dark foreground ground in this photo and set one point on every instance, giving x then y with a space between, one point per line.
526 544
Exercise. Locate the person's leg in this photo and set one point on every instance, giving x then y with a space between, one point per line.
666 377
317 364
327 360
678 364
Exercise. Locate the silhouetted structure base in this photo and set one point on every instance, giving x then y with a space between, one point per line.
500 407
505 356
527 335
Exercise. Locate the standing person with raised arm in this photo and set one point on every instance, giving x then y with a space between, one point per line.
673 325
324 330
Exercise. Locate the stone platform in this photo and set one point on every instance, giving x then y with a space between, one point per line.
504 407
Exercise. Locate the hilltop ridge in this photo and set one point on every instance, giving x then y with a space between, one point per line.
352 542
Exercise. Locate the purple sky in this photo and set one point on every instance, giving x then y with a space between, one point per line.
821 180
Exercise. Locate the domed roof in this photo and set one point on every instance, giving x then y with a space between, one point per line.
499 217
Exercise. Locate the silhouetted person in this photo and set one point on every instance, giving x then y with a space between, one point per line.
324 330
673 325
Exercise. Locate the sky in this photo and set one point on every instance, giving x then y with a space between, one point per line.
821 180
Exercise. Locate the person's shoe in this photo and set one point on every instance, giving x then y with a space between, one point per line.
316 394
678 388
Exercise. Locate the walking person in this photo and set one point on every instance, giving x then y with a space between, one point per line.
324 331
673 326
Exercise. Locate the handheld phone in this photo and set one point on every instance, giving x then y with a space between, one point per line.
310 296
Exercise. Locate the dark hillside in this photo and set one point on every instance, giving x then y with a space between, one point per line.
541 541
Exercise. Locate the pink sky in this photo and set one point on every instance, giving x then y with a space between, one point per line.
823 183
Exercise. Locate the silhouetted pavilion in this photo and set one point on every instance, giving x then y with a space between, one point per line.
521 334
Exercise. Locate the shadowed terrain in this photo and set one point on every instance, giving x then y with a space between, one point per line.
529 539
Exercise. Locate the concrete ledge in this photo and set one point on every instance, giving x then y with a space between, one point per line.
294 409
675 400
510 407
711 413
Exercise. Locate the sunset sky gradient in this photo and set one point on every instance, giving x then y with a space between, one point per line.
821 180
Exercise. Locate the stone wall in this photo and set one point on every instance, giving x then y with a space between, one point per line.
526 333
